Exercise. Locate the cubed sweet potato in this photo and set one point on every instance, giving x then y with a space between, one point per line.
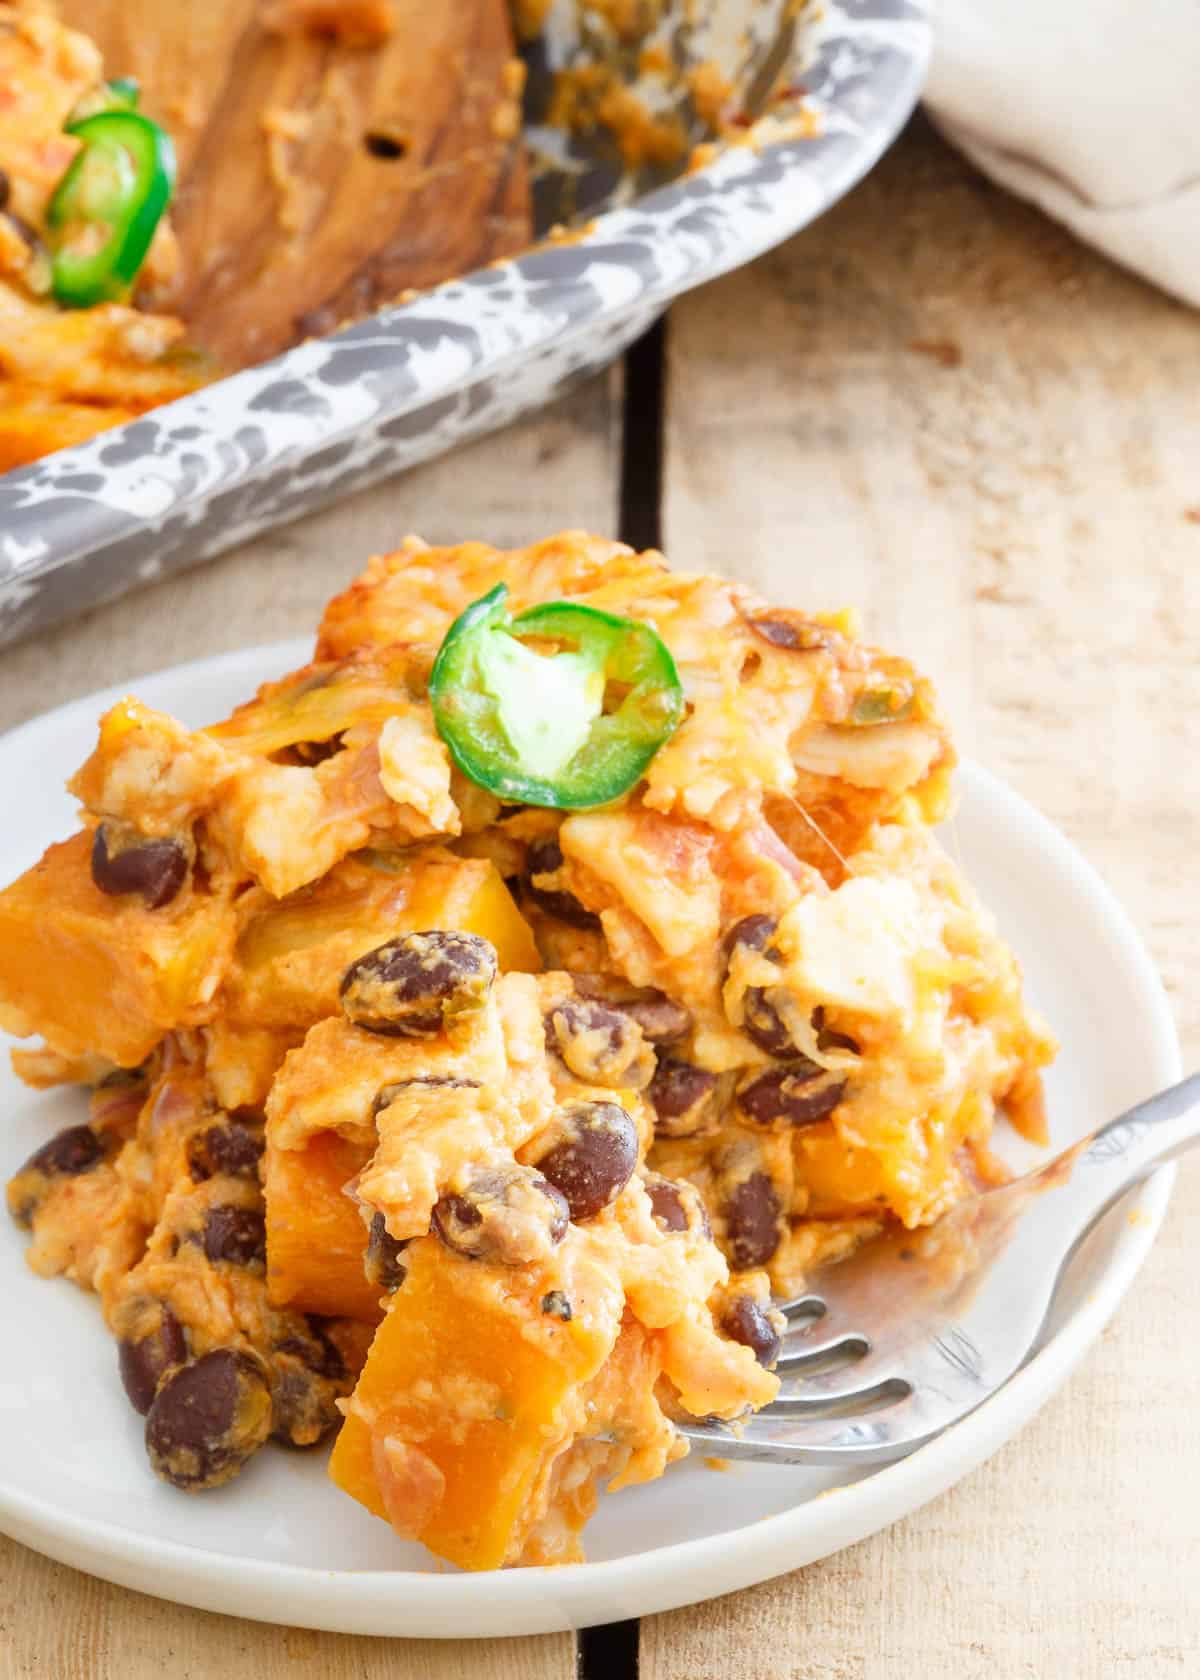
469 1394
93 973
315 1235
291 955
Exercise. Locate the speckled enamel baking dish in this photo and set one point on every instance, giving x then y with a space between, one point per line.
263 446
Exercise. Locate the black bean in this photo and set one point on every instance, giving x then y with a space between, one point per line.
592 1155
798 1094
680 1096
745 1320
545 858
237 1235
503 1214
387 1094
667 1203
309 1374
828 1038
145 1362
208 1418
413 986
74 1151
315 1350
662 1020
382 1263
752 1219
761 1021
754 932
556 1305
5 188
69 1153
154 869
232 1149
763 1025
600 1045
316 752
788 630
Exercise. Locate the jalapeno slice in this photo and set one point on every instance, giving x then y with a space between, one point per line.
561 705
122 93
106 208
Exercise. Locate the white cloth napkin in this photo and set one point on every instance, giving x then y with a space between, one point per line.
1089 108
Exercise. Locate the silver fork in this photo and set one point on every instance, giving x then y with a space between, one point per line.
920 1327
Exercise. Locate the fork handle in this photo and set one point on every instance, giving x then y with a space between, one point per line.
1130 1147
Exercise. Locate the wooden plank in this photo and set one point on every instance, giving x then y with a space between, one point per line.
58 1625
938 405
557 469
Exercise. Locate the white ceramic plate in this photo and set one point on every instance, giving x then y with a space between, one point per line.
280 1544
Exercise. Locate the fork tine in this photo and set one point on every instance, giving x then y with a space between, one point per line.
802 1307
854 1402
824 1356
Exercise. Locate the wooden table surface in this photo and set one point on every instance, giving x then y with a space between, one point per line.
936 404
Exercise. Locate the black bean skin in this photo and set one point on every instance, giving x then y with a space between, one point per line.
502 1214
789 631
237 1235
592 1156
231 1149
828 1038
153 869
761 1021
75 1150
71 1152
387 1094
601 1045
745 1321
414 986
753 1222
679 1095
667 1204
382 1263
662 1020
545 858
208 1418
797 1094
309 1373
556 1305
144 1363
